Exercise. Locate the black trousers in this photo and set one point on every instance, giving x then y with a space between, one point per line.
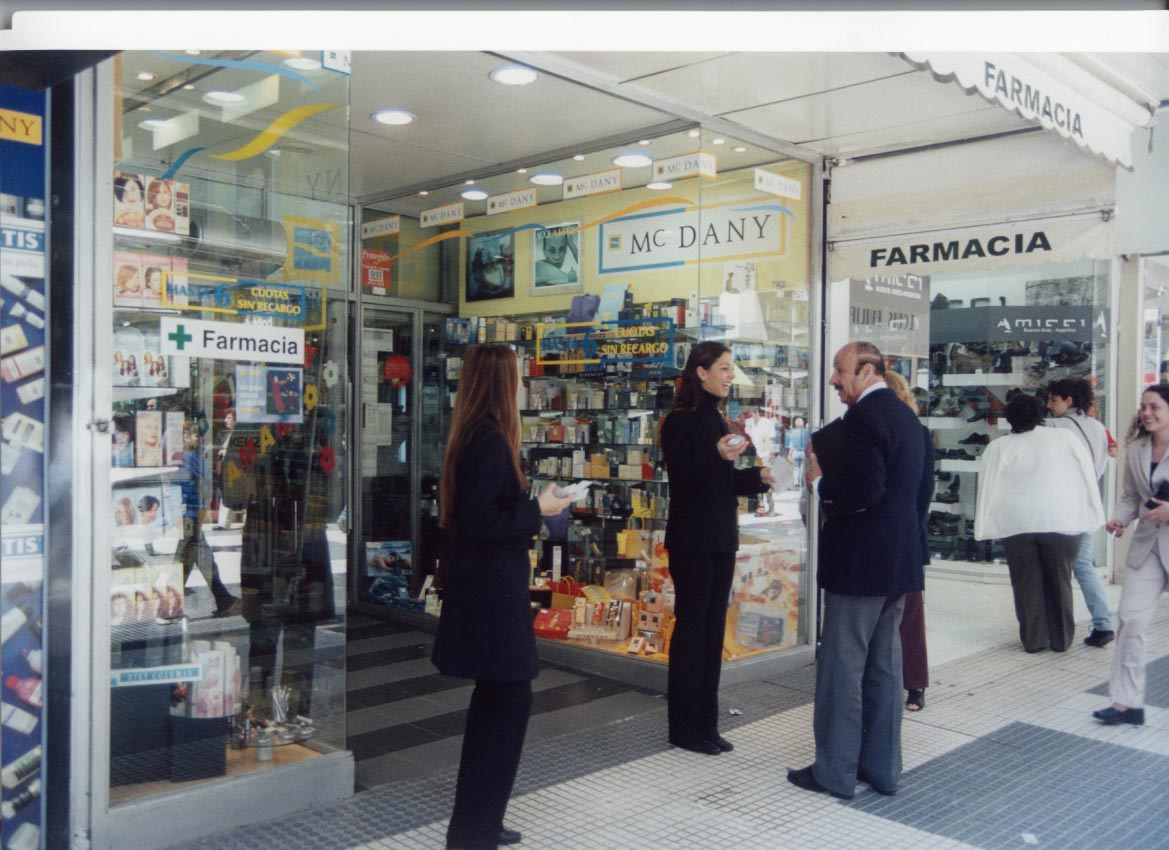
702 584
195 551
493 741
1041 579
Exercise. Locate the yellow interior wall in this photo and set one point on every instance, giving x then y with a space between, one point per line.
413 274
649 285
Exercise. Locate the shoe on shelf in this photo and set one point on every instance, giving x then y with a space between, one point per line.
1113 716
976 439
806 779
706 748
1100 637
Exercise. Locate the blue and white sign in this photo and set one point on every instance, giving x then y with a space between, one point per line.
231 341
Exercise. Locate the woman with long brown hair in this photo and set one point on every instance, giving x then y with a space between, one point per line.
485 632
702 536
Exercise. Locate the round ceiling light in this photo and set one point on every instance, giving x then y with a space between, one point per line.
546 179
740 149
302 63
718 141
224 97
513 75
659 186
694 134
393 117
632 160
474 195
580 157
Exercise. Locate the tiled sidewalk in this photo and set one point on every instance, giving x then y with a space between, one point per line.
1005 755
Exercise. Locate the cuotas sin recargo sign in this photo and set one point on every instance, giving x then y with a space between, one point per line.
685 235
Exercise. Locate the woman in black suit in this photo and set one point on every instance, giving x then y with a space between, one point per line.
485 632
702 536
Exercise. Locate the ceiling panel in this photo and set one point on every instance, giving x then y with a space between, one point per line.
742 80
463 114
624 67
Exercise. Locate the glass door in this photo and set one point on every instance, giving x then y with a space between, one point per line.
384 573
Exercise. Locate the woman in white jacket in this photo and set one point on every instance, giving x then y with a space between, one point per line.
1038 493
1145 470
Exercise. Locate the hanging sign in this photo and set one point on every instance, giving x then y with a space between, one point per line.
776 184
232 341
382 227
511 201
596 183
446 214
20 127
697 164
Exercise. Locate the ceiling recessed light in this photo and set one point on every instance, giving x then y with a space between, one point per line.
632 160
659 186
188 87
521 171
192 52
645 142
579 157
145 75
718 141
302 63
513 75
694 134
274 152
423 193
740 149
224 97
468 182
144 108
394 117
474 195
546 179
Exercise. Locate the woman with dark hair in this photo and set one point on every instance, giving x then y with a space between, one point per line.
1145 475
485 632
1038 493
702 536
1068 400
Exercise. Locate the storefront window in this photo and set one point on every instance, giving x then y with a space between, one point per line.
602 271
227 361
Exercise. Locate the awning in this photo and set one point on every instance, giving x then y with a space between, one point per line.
1053 89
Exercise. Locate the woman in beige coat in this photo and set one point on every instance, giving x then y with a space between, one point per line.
1145 577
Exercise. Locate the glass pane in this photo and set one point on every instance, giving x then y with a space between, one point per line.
385 574
229 385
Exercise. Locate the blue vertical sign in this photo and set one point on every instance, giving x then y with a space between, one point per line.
23 340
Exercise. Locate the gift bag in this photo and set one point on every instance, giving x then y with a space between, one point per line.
565 593
552 624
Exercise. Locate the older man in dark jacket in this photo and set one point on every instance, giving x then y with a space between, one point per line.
871 555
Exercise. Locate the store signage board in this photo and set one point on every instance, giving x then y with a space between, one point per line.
777 184
23 127
447 214
337 60
597 183
641 341
165 675
382 227
375 270
511 201
697 164
734 231
1016 324
22 247
231 341
892 311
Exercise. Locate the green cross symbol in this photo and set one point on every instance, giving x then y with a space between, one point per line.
180 337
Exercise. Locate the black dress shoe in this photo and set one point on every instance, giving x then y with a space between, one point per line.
707 748
806 779
506 836
1112 716
510 836
723 744
1100 637
888 792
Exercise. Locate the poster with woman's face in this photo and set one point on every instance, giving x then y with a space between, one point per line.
129 199
491 266
556 259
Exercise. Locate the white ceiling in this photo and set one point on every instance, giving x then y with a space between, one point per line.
842 105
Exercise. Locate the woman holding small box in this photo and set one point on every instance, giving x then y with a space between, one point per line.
702 536
485 632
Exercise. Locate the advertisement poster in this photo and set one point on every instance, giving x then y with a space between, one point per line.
556 259
491 266
23 343
269 394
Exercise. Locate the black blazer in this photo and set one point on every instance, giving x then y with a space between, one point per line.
704 488
872 542
485 631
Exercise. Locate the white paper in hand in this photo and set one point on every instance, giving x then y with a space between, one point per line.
784 473
577 491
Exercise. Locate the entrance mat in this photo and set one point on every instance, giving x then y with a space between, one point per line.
1027 786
